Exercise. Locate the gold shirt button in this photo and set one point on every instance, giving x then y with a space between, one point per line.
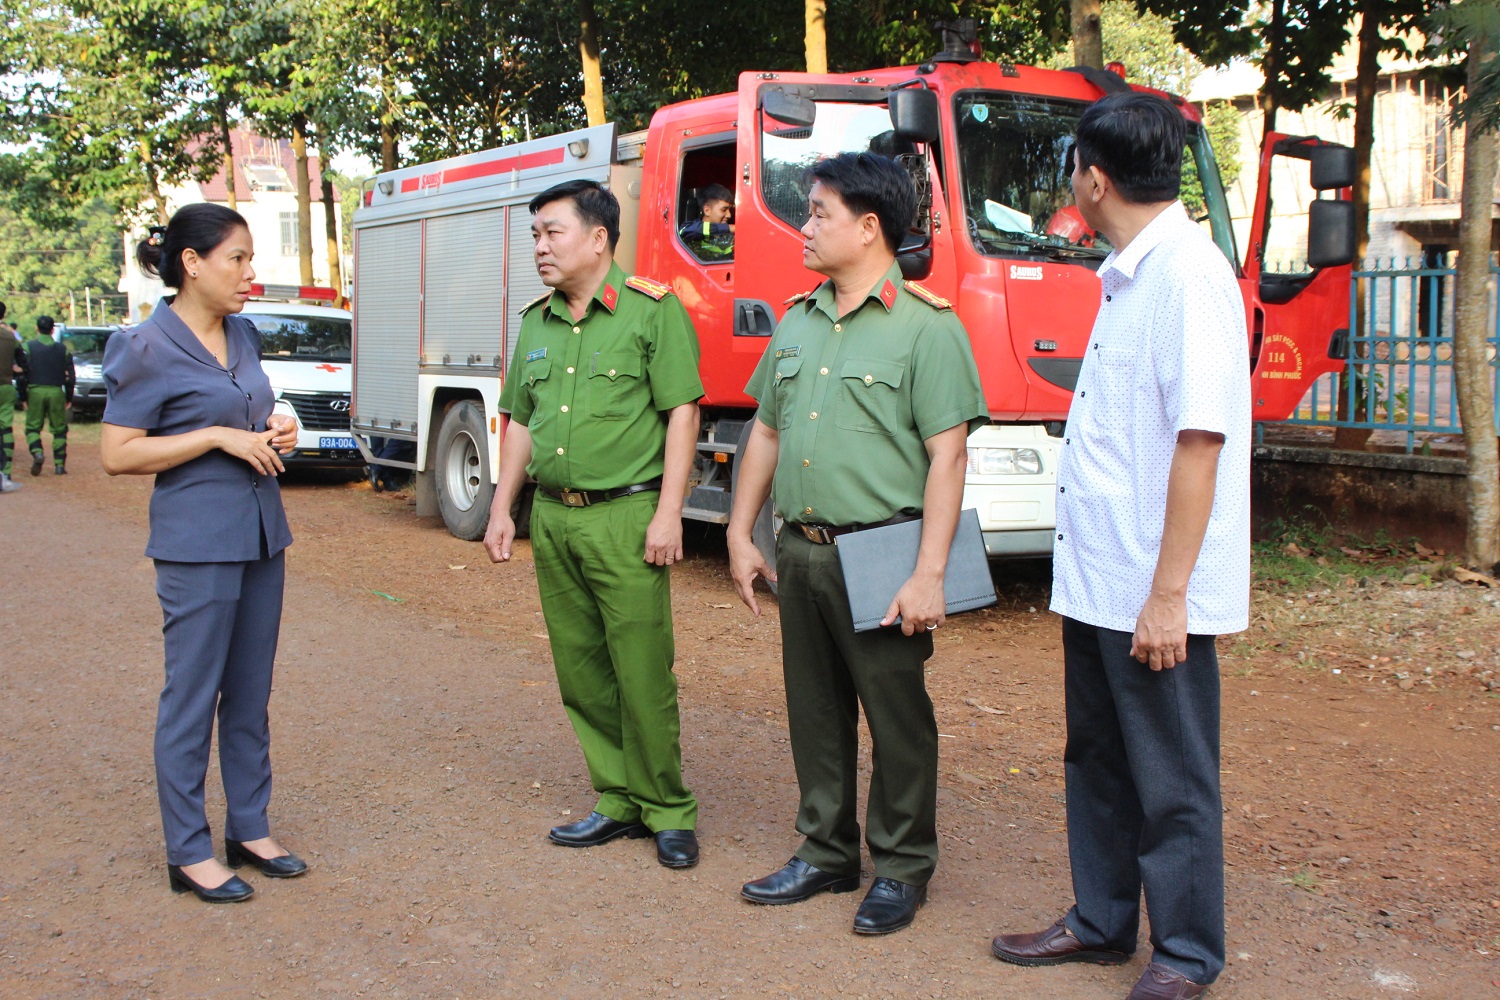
577 330
823 371
559 451
813 415
807 510
570 370
611 373
565 409
838 328
805 463
869 379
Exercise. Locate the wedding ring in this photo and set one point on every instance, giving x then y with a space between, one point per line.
931 627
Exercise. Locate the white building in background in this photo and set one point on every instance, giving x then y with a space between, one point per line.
1416 168
266 195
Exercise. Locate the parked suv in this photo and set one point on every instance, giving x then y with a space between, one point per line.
86 343
305 351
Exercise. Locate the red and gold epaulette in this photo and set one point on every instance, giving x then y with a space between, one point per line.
927 296
799 297
537 301
648 286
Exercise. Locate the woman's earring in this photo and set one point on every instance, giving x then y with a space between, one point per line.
192 274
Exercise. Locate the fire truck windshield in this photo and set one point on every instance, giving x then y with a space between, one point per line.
1015 182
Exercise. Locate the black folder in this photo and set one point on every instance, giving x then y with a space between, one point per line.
878 561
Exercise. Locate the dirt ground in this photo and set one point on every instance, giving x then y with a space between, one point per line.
421 754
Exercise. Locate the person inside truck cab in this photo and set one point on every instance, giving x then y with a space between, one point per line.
711 236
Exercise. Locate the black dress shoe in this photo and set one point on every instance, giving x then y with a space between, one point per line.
286 866
795 882
36 463
595 829
233 891
889 906
677 848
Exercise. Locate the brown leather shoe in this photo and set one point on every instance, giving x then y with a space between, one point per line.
1161 982
1053 946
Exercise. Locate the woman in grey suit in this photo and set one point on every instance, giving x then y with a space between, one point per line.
188 402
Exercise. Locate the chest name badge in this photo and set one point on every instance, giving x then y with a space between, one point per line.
537 355
788 352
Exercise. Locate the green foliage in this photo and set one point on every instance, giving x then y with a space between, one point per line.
41 265
1472 30
868 33
1144 44
1304 552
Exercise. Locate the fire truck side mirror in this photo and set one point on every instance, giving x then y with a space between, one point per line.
1330 233
1332 167
789 109
914 114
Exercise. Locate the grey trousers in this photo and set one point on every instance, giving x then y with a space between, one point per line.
1142 765
831 672
220 626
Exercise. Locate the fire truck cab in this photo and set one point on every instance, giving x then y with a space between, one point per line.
443 264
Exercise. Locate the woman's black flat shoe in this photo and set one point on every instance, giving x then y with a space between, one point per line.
286 866
233 891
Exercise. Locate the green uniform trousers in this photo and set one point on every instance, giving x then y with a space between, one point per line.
609 618
46 403
7 425
830 672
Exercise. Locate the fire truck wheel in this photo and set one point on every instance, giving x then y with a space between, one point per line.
464 488
766 522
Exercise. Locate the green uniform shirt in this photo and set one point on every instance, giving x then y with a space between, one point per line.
853 398
591 392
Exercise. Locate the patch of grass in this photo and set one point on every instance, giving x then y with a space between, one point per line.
1306 879
1305 553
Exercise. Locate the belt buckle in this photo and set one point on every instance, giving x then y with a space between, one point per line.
574 498
816 534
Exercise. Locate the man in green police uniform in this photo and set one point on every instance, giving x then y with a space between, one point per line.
49 395
12 360
603 401
867 394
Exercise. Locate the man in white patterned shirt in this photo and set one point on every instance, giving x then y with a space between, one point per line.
1151 562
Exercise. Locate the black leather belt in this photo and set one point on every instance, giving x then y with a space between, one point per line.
822 534
587 498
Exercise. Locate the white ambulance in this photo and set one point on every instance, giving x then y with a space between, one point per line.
307 352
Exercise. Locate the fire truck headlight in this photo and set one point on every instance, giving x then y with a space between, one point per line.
1004 462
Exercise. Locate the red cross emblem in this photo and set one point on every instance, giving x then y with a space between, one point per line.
326 367
609 297
888 293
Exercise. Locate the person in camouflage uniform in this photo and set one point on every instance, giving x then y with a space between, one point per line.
49 396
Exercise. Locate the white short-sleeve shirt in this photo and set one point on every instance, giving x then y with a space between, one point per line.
1168 353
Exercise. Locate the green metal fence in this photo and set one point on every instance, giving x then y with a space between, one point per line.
1400 374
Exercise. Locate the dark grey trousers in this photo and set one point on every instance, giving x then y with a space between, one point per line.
831 672
1144 811
220 626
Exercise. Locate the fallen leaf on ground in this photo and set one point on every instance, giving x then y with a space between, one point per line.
1469 576
464 566
388 597
983 708
721 605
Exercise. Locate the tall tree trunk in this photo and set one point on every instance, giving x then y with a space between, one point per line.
304 198
226 140
1367 79
1088 39
588 46
1471 367
330 216
815 34
153 182
388 159
1270 66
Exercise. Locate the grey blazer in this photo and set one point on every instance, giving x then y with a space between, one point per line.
161 379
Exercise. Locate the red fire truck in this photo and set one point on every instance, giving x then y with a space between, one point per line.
443 264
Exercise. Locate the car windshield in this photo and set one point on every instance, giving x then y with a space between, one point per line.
86 341
1017 194
303 338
